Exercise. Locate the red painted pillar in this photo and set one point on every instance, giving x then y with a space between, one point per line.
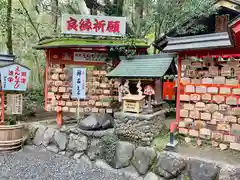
59 112
178 88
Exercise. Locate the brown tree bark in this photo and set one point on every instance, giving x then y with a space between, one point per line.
54 8
9 43
138 16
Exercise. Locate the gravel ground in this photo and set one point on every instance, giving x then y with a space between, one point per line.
36 164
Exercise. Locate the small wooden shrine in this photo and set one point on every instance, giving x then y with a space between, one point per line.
142 76
4 60
98 55
208 94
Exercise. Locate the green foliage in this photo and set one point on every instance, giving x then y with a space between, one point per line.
108 148
161 16
10 119
186 177
32 101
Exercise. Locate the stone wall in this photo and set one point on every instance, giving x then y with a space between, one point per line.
139 128
143 163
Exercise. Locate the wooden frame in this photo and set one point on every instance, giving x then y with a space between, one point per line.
3 106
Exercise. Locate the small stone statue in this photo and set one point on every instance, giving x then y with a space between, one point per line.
140 93
126 87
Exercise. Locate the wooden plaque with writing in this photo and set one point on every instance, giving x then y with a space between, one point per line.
221 23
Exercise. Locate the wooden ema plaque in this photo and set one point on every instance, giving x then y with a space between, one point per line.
221 23
14 103
133 103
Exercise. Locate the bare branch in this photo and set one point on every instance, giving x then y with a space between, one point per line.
30 19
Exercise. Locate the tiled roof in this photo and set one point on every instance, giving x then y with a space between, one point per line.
143 66
206 41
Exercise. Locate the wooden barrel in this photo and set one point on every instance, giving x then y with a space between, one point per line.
11 137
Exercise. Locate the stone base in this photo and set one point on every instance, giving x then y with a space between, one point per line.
128 159
139 128
172 145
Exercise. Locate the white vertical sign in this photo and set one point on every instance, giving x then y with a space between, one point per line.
79 83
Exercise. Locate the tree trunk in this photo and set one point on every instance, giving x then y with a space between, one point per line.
54 9
118 4
138 16
9 43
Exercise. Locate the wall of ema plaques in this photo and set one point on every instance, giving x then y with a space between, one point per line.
210 101
100 91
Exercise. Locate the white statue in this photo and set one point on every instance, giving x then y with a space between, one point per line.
140 93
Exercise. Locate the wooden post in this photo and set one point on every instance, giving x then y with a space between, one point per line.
59 118
59 113
158 89
178 88
2 98
46 80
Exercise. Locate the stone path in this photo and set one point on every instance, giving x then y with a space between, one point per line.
35 164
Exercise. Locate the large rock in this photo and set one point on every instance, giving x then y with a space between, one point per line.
202 171
100 134
143 159
97 122
61 140
225 174
52 148
32 129
124 154
94 149
103 165
78 155
169 166
69 153
48 136
151 176
85 161
77 143
236 174
129 171
38 139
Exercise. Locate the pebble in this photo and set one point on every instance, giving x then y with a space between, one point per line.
32 164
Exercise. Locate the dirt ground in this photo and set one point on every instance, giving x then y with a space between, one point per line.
209 153
43 115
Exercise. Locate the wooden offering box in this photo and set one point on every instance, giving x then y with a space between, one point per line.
133 103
